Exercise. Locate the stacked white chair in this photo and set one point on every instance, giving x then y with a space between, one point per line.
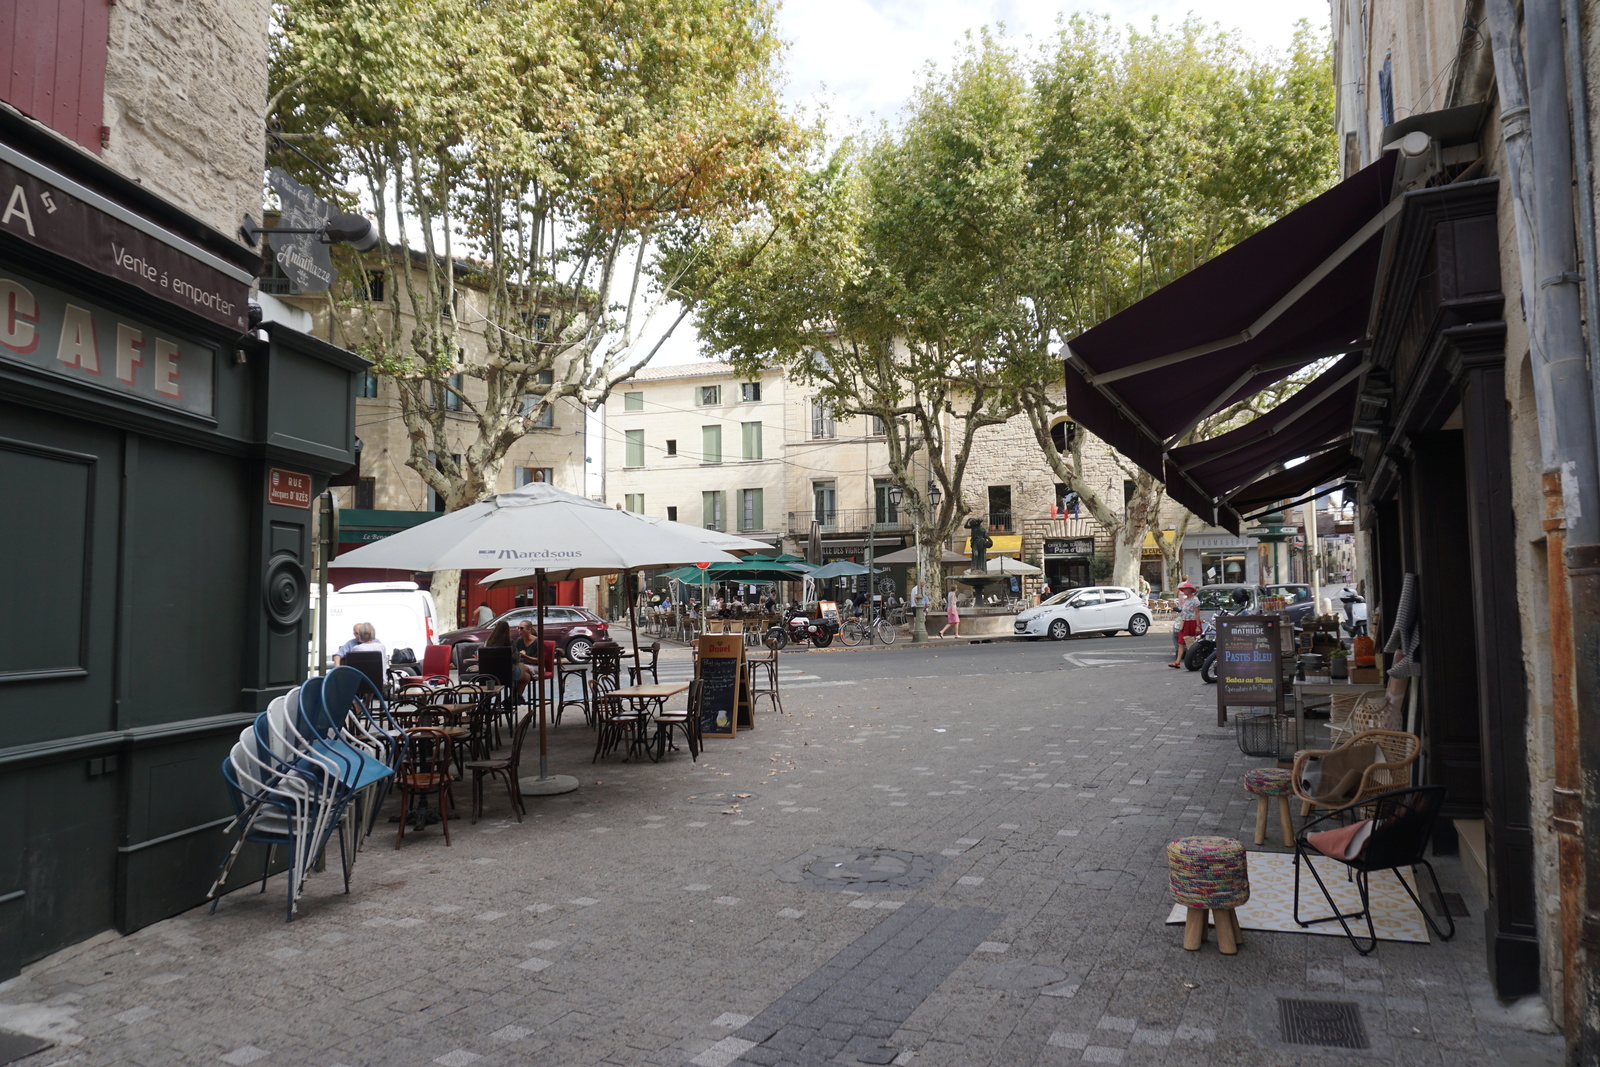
318 761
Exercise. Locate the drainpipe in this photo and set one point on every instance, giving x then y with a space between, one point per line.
1540 178
1583 560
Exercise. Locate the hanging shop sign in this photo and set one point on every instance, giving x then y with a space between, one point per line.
302 257
59 217
47 329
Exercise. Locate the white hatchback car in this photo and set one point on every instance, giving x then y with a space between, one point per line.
1101 609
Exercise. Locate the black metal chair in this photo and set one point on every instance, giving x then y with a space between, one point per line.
1402 824
636 674
369 664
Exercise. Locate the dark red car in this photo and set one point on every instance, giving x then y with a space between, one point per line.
574 630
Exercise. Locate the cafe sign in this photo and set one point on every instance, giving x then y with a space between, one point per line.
46 329
59 216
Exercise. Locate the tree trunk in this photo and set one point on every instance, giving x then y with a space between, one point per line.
446 590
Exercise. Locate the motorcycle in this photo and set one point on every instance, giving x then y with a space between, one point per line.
799 627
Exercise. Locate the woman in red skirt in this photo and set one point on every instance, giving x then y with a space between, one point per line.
1188 619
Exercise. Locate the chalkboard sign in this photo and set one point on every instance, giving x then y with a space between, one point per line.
1249 662
725 701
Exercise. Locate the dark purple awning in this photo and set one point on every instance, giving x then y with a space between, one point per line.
1322 469
1294 293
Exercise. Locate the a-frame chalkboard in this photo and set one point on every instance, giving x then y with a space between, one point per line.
725 699
1249 663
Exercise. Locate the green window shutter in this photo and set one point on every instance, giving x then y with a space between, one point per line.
711 509
632 401
711 444
752 440
751 517
635 448
634 502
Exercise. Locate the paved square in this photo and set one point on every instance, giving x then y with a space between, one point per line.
1025 927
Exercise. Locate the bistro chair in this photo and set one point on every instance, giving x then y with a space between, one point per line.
1371 762
436 663
687 721
636 674
1396 835
369 664
425 771
764 680
578 674
502 767
616 722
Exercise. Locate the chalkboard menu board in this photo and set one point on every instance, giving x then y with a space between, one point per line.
1249 662
725 701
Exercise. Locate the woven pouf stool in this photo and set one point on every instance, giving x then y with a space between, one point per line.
1267 782
1209 874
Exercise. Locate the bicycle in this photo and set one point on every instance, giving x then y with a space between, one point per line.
855 631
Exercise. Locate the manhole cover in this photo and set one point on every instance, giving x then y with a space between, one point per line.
722 799
867 870
1330 1023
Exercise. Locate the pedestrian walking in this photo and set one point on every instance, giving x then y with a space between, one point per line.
1188 624
485 614
951 616
1144 590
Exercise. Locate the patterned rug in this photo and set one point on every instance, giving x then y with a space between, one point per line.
1271 905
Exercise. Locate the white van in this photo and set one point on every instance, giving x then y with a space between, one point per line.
402 614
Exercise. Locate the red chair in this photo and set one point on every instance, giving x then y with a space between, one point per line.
436 663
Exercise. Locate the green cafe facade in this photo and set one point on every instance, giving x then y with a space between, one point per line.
158 461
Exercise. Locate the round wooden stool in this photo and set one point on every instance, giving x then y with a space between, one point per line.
1267 782
1209 874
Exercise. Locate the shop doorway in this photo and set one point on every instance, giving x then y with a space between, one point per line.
1066 573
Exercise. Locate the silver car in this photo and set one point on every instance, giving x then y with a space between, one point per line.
1099 609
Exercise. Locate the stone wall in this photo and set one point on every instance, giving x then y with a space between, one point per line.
185 101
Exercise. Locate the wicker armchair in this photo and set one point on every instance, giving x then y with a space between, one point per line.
1391 771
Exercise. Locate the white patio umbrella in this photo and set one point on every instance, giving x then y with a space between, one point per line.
542 531
1008 567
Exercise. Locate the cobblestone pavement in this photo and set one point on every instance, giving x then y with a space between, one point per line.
948 870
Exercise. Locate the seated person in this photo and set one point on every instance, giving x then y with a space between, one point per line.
366 640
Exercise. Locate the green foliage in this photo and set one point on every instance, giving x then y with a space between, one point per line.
543 152
932 273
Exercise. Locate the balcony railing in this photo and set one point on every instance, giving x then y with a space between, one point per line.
850 520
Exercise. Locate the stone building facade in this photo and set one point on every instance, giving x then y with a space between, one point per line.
701 445
553 451
185 102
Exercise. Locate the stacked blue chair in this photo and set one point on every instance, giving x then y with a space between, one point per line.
320 760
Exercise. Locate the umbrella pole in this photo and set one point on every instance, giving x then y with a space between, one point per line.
633 626
544 785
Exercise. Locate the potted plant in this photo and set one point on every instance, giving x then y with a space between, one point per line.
1338 664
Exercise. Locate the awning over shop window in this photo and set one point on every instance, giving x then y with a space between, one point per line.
1324 469
1004 545
1297 292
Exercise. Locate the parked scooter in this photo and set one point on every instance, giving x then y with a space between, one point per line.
799 627
1354 622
